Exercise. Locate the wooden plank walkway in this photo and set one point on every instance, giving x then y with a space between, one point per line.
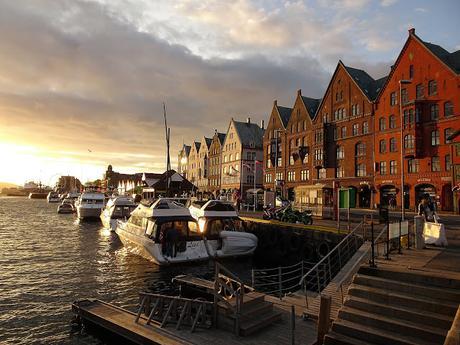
194 282
120 321
293 225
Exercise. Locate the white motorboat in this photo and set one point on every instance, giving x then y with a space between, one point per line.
164 232
222 229
65 208
119 207
89 205
53 197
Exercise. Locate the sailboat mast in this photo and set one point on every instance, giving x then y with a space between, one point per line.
168 158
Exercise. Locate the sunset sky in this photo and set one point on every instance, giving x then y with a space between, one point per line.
82 82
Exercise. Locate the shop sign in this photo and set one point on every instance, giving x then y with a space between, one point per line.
446 178
364 183
387 181
424 180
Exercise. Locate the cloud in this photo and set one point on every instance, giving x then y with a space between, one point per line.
76 76
421 9
386 3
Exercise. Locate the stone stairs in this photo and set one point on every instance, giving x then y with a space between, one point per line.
256 314
393 306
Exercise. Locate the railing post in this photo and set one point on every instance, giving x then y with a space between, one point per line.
302 269
280 284
371 261
292 325
399 238
253 277
317 279
387 255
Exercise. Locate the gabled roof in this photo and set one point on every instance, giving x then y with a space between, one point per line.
285 114
208 141
186 149
197 145
450 59
248 133
221 137
365 82
311 104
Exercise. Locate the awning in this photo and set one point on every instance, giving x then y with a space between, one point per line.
253 191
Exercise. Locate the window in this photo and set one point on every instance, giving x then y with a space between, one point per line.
434 112
279 162
318 137
435 138
413 165
393 147
393 98
435 165
382 125
355 109
447 133
360 149
392 121
340 152
279 176
291 159
291 176
335 133
304 175
419 91
344 132
318 154
382 146
365 128
432 87
393 167
250 179
448 109
355 129
404 97
411 71
360 169
448 163
339 171
322 173
409 141
269 163
383 168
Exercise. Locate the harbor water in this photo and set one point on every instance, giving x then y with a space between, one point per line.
48 260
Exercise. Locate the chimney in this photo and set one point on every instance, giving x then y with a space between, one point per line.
275 103
262 124
299 92
249 120
412 31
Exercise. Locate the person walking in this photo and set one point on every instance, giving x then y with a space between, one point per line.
427 209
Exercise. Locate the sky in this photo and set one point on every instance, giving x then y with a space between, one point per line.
82 82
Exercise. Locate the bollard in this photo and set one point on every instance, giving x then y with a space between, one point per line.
292 325
418 230
324 318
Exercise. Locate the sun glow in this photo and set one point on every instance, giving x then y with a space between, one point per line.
21 163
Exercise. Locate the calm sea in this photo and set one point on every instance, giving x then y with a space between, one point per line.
47 261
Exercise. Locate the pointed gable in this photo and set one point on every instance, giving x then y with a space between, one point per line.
284 114
311 104
250 134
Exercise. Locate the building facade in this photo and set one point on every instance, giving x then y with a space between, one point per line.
182 160
203 165
241 152
416 112
215 155
193 163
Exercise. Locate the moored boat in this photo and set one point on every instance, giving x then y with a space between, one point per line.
53 197
222 229
119 207
89 205
163 232
65 208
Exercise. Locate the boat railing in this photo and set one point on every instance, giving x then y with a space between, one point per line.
166 309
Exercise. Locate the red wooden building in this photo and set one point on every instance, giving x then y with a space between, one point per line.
415 113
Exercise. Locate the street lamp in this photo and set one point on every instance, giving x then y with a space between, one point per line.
401 82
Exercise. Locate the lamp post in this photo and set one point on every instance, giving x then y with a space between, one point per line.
401 82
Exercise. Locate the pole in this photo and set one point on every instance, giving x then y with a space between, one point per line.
324 318
387 255
255 176
372 261
292 325
399 238
168 159
401 149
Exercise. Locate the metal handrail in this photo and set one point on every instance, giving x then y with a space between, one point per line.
336 248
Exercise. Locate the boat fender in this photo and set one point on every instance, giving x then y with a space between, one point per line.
322 249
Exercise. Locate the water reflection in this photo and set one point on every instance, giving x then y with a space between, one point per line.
49 260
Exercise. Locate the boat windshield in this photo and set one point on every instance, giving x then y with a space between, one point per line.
122 211
92 201
187 230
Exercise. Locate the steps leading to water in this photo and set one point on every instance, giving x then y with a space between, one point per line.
399 307
256 314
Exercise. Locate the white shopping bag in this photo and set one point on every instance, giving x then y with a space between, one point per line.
435 233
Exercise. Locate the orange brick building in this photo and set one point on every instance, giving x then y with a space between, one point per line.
421 94
352 136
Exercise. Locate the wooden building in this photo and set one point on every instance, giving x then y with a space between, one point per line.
215 155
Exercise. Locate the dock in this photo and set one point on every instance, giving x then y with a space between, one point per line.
122 322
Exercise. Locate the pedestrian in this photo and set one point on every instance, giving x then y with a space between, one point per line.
427 209
172 237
